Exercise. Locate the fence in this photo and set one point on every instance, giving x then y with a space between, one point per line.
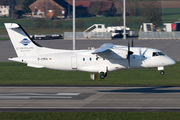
88 36
159 35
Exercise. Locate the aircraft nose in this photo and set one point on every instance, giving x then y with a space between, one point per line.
171 61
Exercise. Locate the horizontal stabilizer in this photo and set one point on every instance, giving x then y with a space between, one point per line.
17 59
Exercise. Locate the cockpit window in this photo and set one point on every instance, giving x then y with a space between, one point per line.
161 53
155 54
158 54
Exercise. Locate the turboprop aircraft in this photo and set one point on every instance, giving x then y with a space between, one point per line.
106 58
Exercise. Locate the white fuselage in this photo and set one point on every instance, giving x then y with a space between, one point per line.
84 60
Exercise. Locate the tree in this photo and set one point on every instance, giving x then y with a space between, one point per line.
152 12
18 13
94 8
118 6
133 7
19 2
26 4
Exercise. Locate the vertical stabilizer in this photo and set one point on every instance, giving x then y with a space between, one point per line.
21 41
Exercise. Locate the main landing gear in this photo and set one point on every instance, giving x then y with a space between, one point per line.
103 75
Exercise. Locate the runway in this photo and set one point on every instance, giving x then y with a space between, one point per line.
70 99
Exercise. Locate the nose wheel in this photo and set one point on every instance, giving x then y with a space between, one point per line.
162 72
103 75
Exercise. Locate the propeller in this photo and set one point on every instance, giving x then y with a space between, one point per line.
129 53
132 43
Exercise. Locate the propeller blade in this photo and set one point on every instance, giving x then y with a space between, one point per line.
128 46
132 43
129 61
128 54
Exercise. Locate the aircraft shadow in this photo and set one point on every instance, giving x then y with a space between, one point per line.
144 90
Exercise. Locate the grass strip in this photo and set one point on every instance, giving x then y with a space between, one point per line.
4 38
89 116
12 73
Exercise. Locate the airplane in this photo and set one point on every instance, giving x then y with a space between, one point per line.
107 58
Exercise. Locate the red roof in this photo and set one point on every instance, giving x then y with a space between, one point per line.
80 3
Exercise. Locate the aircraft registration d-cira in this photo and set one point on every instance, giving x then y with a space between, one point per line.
104 59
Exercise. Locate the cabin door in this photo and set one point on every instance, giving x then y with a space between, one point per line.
74 62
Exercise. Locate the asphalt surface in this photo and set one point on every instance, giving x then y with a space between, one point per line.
71 99
169 47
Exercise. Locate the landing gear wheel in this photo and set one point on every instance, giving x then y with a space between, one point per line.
103 75
162 72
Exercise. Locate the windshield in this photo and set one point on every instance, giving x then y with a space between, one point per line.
117 31
158 54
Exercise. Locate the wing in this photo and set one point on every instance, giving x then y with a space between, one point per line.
104 48
108 51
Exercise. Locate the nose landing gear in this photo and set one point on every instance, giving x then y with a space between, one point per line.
162 73
161 69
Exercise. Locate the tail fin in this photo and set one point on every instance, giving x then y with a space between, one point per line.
21 41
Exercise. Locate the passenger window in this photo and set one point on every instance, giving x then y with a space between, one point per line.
83 59
90 59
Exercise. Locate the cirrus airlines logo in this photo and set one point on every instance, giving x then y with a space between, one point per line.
25 41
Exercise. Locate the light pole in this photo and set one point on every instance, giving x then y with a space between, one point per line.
124 16
162 9
68 11
74 26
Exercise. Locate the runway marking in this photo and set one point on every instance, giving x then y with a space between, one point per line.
68 93
40 94
32 97
11 96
